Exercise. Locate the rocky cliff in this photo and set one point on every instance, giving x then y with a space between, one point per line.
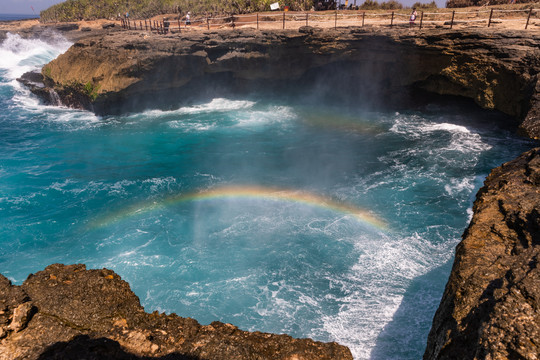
131 71
68 312
491 305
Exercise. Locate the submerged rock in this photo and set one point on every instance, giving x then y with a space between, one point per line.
68 312
491 305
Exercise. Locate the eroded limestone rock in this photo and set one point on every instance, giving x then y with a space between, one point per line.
491 306
93 314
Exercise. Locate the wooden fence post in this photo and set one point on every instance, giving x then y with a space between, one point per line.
140 23
179 25
363 17
452 22
421 19
528 18
207 23
307 15
284 19
392 20
257 21
335 20
490 16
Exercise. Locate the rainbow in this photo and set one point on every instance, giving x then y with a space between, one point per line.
251 192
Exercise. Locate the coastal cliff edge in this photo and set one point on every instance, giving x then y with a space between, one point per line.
491 305
131 71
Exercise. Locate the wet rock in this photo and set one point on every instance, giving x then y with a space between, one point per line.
499 70
93 314
491 304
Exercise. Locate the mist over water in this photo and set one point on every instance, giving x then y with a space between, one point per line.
289 256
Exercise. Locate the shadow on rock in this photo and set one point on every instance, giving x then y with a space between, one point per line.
84 347
405 336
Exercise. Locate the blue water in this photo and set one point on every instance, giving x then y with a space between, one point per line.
10 17
113 192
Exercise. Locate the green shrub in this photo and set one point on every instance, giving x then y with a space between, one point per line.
370 5
422 6
75 10
391 5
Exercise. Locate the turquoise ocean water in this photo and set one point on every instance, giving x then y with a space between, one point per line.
319 221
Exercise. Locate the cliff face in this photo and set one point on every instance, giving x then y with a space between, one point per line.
131 71
491 305
68 312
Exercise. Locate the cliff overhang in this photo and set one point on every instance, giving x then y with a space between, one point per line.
132 71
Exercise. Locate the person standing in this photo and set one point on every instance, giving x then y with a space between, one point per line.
166 25
413 17
188 18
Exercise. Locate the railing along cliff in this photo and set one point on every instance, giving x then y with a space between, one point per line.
289 20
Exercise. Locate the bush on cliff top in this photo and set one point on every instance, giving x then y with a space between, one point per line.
76 10
467 3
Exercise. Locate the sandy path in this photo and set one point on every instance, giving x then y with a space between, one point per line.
502 18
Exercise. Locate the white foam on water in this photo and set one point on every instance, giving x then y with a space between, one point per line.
375 287
216 105
462 139
191 126
18 55
458 185
245 116
160 184
272 115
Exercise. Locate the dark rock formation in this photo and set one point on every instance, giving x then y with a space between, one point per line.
130 71
68 312
491 305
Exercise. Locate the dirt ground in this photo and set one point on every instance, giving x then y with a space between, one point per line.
503 17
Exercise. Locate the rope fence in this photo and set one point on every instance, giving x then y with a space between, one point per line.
289 20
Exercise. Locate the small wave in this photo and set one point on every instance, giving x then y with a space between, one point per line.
237 113
458 185
216 105
19 55
191 126
376 285
274 114
462 139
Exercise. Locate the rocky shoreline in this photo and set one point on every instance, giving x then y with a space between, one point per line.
131 71
68 312
491 305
